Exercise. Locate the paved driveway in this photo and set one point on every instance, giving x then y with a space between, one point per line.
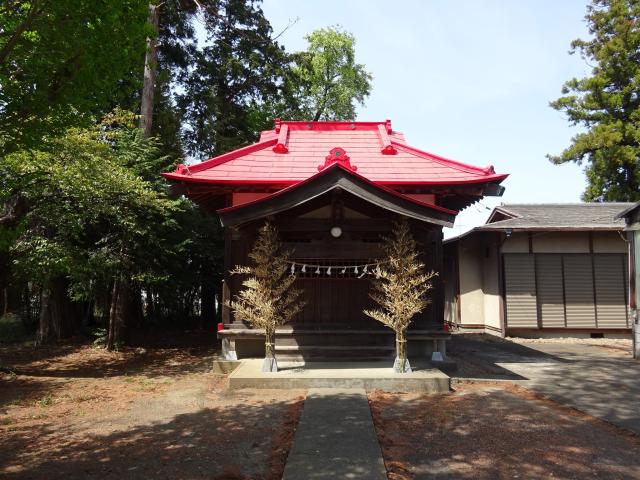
601 381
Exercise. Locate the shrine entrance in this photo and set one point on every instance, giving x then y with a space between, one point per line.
335 240
332 189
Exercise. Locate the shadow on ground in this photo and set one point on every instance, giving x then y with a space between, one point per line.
602 382
246 441
478 357
485 431
158 354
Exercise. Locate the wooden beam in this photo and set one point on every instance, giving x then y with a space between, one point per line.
336 178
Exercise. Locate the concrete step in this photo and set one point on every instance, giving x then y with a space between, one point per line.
354 374
336 339
334 352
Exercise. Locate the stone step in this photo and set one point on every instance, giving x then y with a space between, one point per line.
336 348
333 352
337 339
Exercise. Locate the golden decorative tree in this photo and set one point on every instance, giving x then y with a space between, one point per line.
401 289
268 299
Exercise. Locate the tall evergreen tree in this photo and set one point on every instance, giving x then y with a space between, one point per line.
238 69
607 103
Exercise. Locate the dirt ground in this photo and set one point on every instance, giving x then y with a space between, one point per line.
496 430
156 411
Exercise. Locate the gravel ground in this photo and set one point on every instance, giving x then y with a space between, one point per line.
497 431
156 412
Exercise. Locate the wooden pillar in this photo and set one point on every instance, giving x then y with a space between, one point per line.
226 282
430 241
437 305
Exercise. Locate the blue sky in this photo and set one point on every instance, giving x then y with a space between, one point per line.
467 79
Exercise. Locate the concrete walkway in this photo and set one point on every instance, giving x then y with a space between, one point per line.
602 382
335 438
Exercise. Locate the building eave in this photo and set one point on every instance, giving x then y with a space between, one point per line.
336 177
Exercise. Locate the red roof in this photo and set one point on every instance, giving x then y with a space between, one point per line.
293 151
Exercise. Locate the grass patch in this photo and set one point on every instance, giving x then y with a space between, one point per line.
7 421
45 401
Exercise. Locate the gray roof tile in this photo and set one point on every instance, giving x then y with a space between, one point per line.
560 216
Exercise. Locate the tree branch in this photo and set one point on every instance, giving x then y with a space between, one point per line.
13 40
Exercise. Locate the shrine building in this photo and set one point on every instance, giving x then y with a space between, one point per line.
333 189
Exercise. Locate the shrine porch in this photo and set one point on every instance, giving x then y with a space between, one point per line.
331 343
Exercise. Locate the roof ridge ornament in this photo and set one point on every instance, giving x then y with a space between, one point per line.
182 169
337 155
385 141
283 134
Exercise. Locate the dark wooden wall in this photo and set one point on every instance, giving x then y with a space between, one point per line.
334 300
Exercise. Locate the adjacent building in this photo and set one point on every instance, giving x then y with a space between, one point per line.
541 270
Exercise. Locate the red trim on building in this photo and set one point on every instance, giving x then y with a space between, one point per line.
346 169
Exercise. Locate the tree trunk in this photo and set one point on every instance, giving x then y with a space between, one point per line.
207 302
401 364
120 304
149 305
137 311
150 67
57 315
4 284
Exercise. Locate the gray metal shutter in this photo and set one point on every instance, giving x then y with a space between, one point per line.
578 285
610 291
520 290
550 290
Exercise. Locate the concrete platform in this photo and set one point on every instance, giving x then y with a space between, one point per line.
363 375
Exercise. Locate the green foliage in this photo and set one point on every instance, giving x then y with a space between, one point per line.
90 217
12 329
82 203
607 103
327 78
45 401
100 336
63 61
268 298
232 76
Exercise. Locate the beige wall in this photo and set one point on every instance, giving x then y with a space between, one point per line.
560 242
516 243
565 242
609 242
479 281
491 288
470 269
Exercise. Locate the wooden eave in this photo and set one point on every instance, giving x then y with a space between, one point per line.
336 177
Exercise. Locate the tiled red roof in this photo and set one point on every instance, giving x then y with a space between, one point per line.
292 152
